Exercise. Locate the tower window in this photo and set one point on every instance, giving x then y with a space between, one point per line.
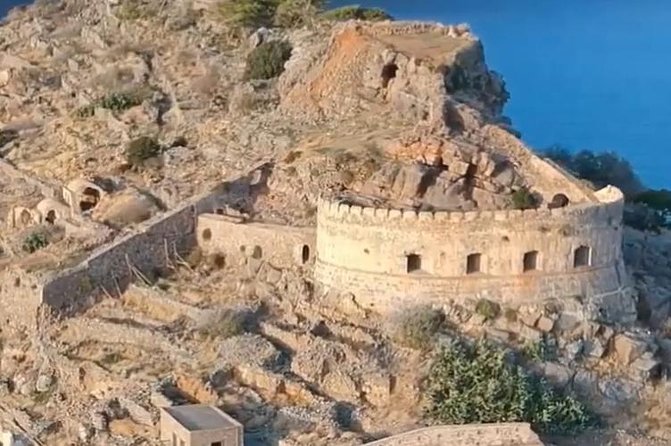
413 263
582 256
473 263
530 262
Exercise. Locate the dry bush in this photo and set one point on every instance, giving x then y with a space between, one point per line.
657 410
416 327
225 323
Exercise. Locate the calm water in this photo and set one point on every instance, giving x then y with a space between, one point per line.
591 74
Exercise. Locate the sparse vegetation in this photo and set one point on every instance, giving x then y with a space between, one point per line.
116 102
356 12
267 60
247 13
600 169
141 149
488 309
417 327
478 384
293 13
539 351
35 242
7 136
225 323
133 10
523 199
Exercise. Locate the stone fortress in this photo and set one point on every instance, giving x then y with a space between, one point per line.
429 222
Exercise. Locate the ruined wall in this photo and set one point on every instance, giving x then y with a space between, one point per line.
148 249
19 294
368 252
505 434
281 246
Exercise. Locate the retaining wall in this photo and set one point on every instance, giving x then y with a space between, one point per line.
505 434
366 251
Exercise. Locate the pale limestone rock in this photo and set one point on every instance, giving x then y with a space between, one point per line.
627 348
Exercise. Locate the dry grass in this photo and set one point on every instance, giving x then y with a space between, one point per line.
656 416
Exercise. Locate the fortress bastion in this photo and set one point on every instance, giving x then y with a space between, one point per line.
391 258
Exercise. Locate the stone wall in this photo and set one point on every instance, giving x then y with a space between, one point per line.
506 434
108 270
19 296
384 256
281 246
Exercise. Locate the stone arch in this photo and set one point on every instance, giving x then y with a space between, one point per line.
22 217
388 73
51 210
582 256
559 201
82 195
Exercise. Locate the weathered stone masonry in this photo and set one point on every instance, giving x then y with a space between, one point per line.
389 257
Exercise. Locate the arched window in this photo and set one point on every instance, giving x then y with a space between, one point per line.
530 261
305 254
51 217
582 256
207 234
413 263
473 263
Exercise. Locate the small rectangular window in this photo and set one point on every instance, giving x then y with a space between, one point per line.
413 263
218 443
582 257
473 262
530 261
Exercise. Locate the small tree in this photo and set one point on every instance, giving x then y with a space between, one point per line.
267 60
478 384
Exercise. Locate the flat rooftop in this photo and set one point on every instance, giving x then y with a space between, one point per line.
200 417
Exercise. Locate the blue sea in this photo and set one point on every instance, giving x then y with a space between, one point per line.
587 74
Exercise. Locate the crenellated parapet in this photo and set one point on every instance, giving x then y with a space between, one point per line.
393 255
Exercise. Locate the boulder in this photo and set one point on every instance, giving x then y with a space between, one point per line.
545 324
628 348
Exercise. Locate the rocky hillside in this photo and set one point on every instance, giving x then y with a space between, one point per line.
355 107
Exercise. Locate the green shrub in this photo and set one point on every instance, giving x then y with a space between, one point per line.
141 149
539 351
488 309
292 13
267 60
247 13
120 101
35 242
478 384
417 327
523 199
356 12
601 169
